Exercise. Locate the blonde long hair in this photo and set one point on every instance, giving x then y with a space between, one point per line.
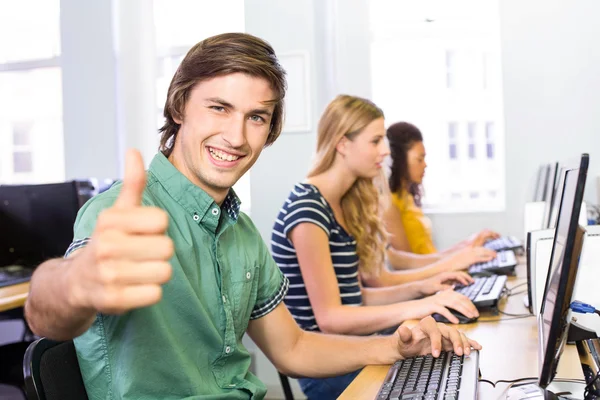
346 116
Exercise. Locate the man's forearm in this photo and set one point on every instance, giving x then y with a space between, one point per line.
319 355
47 309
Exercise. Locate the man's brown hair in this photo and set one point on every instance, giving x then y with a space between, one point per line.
220 55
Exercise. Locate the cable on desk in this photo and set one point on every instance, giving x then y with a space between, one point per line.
583 308
516 286
486 381
513 381
504 319
514 315
514 294
531 378
589 388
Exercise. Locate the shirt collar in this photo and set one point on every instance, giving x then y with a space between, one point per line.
191 197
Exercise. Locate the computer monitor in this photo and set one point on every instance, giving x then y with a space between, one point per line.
550 197
37 222
554 210
566 249
541 183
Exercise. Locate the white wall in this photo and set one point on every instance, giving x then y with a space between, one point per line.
89 89
108 64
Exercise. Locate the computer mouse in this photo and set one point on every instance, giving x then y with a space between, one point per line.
462 319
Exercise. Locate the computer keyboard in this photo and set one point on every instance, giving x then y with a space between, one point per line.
485 291
14 274
427 378
504 243
504 264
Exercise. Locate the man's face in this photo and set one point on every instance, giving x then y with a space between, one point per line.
225 126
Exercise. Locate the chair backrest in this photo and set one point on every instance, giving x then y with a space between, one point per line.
51 371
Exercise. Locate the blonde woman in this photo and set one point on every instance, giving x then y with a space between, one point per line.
328 235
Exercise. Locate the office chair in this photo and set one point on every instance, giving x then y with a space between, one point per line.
51 371
285 385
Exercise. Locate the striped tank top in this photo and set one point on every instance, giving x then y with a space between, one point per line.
305 204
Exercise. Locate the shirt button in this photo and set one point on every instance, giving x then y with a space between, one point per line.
224 299
227 349
215 211
248 275
196 217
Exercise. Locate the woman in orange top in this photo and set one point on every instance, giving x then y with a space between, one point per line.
409 228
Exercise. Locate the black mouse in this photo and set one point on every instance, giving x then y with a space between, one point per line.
462 319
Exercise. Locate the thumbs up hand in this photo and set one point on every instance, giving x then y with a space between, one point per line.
127 259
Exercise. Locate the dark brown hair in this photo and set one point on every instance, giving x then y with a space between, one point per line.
402 136
220 55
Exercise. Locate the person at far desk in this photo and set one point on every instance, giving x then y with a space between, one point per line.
410 230
166 274
329 241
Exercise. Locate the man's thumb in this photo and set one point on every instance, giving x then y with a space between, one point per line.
405 334
134 181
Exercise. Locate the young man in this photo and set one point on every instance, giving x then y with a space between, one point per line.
165 274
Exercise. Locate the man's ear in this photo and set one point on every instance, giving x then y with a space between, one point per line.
341 145
177 118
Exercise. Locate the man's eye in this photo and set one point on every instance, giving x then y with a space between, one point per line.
257 118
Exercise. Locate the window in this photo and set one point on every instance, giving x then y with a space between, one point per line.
452 140
31 135
489 140
450 70
180 24
436 64
472 136
485 70
22 154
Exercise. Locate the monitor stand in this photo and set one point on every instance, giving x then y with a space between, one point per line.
531 391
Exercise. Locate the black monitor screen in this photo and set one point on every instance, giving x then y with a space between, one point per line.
550 197
36 222
566 249
555 204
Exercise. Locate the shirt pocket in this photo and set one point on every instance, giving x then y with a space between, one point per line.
245 289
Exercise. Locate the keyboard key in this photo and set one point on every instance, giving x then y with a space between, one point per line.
420 378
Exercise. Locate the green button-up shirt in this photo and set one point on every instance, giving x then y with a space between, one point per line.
189 345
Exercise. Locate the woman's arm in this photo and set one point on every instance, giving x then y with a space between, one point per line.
457 261
414 290
392 220
312 249
314 258
374 296
404 260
